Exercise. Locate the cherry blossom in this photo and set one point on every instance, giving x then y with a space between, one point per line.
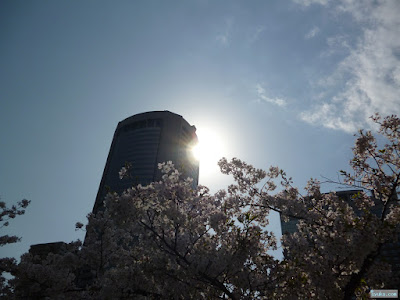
8 265
171 240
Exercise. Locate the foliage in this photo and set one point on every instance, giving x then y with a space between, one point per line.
8 265
170 240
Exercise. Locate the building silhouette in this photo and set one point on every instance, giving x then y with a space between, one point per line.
143 141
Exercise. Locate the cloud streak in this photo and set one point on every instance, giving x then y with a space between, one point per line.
224 38
309 2
312 33
262 97
256 35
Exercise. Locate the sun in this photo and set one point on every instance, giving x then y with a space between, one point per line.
209 150
196 151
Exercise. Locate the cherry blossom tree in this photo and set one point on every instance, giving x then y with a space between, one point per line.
337 251
180 242
7 264
171 240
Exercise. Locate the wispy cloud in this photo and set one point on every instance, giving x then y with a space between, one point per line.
309 2
330 116
368 78
224 37
262 97
312 33
337 44
256 34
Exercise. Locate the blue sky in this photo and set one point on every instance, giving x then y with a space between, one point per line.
282 83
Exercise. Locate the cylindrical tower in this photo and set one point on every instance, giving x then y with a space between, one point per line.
145 140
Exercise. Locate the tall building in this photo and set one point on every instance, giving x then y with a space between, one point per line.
142 140
145 140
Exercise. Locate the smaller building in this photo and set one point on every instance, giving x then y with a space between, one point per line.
42 250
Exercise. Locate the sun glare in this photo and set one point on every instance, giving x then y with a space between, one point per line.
208 150
196 151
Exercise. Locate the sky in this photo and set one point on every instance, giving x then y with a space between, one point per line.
283 83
